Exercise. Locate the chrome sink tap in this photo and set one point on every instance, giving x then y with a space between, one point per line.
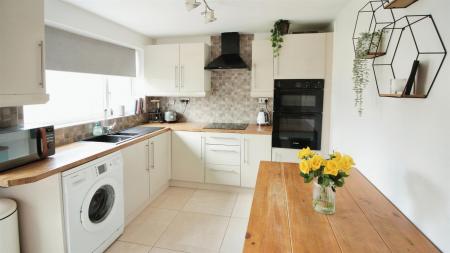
109 129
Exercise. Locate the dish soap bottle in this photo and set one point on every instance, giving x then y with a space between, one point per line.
98 130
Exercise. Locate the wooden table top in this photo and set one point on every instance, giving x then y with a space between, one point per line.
199 127
282 218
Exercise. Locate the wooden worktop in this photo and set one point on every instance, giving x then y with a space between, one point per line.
283 220
75 154
199 127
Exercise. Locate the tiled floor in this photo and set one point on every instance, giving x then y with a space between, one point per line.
189 220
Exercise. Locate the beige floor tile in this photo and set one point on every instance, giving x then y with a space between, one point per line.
161 250
243 205
211 202
173 198
148 226
194 232
125 247
235 236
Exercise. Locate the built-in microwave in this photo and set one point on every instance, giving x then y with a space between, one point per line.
19 146
297 116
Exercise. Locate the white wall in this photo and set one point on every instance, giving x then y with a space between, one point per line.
401 145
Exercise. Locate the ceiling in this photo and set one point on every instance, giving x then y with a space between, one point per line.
166 18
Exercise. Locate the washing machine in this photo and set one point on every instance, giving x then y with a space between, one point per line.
93 204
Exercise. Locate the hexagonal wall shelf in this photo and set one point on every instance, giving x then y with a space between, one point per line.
418 39
372 17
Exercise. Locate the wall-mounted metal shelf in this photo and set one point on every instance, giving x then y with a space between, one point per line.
418 39
398 4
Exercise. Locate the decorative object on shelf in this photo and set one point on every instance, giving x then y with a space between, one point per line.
397 4
397 86
416 38
327 175
280 28
208 13
411 79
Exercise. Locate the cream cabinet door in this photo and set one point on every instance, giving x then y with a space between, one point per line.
256 148
162 70
136 178
194 79
187 156
302 56
159 158
22 66
262 69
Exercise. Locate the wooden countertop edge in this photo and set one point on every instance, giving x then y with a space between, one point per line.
9 182
36 171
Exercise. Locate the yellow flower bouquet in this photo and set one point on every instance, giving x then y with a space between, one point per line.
329 174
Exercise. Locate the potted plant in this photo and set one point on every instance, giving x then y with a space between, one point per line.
280 28
367 44
327 175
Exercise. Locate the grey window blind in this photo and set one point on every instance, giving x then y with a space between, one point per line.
67 51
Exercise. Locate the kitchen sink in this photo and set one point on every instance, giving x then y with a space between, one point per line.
124 135
109 138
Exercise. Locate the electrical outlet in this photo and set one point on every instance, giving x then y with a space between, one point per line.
263 100
184 100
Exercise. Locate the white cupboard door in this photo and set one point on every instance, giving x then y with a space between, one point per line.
159 157
162 70
22 47
256 148
136 177
187 156
262 69
194 79
301 57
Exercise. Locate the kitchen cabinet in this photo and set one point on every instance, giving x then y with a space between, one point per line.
146 173
285 155
262 69
160 163
256 148
222 154
177 70
22 66
187 156
302 56
136 178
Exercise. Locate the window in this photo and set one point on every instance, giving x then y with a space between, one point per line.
81 97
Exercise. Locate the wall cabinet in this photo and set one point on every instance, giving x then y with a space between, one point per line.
22 65
146 172
302 56
187 156
262 69
255 148
177 70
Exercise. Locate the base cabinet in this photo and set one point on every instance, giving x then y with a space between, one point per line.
146 173
187 156
256 148
284 155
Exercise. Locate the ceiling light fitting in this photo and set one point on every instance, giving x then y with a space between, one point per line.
208 13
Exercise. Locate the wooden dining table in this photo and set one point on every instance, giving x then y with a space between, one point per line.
282 218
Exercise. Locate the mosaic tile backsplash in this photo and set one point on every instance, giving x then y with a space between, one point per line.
229 101
11 117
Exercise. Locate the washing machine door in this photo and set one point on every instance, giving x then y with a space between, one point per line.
99 205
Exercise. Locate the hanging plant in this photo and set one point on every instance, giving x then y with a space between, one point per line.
366 43
280 28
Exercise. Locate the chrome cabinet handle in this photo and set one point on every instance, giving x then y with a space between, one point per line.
153 155
42 82
224 150
201 148
224 138
147 155
245 151
228 171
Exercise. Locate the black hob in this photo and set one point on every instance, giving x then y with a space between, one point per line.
227 126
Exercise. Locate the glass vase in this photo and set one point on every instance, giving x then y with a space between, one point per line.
324 199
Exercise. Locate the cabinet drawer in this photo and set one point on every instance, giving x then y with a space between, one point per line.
223 174
223 155
223 139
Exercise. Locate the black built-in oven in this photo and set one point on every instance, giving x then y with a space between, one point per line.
297 116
